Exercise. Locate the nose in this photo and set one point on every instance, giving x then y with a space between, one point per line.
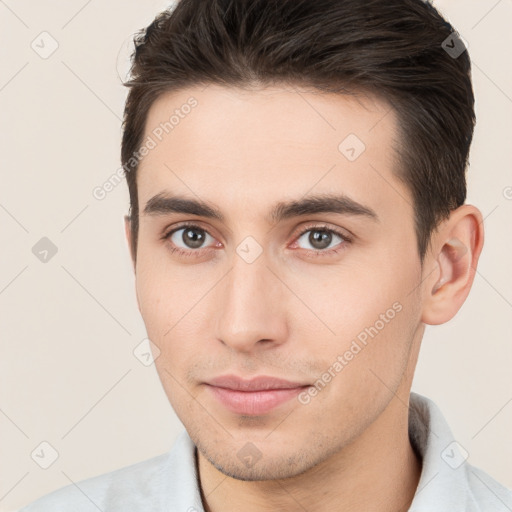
251 307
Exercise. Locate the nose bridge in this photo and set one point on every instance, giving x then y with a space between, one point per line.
250 306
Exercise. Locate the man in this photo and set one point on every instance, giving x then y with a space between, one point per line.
296 172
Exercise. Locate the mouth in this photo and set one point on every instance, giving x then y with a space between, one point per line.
256 396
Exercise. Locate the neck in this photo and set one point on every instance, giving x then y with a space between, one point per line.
377 471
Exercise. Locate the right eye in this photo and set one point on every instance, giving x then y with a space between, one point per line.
188 239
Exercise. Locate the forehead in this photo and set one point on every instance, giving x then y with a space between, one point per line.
260 145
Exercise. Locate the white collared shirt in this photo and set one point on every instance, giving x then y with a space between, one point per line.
169 482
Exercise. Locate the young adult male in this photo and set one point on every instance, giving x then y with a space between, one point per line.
297 182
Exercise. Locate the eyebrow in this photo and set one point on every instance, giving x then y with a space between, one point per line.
163 203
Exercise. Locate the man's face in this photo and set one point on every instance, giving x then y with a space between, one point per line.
327 300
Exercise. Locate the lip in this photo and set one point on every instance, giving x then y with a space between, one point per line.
256 396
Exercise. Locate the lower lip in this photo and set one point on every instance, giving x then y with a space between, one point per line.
253 402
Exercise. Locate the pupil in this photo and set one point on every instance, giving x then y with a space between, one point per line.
322 241
192 239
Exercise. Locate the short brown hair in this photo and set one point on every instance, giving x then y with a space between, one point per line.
398 50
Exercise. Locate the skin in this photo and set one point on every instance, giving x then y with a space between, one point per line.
295 309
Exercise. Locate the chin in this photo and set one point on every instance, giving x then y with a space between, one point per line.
262 466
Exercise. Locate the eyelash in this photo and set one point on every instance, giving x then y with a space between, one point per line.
317 252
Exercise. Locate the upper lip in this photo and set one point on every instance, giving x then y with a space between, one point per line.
259 383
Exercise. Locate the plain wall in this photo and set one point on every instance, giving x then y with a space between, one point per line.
69 326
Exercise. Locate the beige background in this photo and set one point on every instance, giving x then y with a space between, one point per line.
69 326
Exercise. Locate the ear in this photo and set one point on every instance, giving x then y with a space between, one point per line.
453 257
128 233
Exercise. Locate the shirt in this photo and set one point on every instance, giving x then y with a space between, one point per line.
169 482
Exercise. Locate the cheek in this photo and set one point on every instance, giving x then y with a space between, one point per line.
166 302
164 291
349 299
172 299
371 315
364 365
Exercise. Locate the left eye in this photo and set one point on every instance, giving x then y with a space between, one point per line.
320 238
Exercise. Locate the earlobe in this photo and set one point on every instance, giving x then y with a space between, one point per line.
457 247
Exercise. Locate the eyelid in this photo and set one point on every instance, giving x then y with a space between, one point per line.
185 224
324 226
